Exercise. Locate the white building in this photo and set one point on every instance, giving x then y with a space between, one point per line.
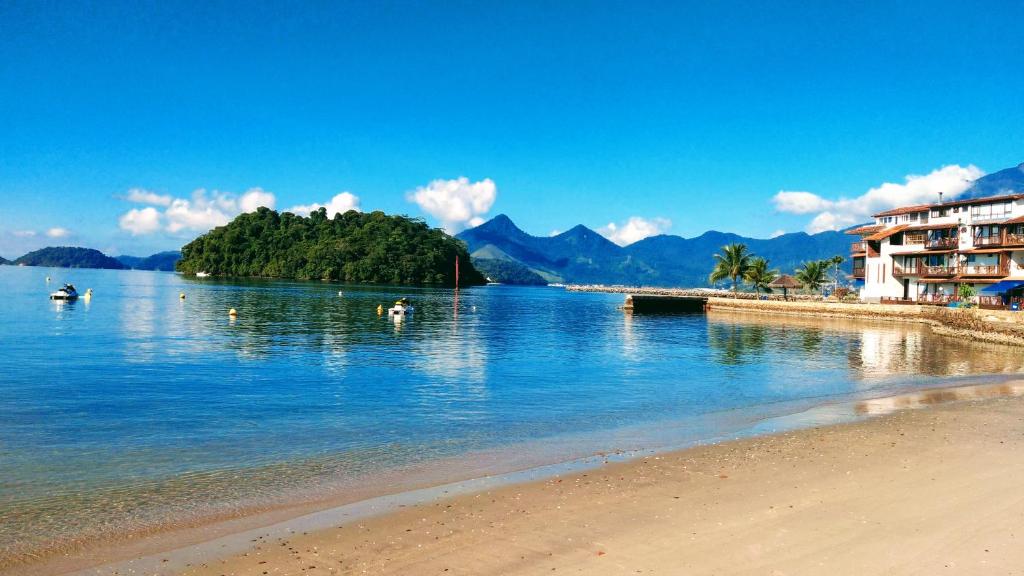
924 253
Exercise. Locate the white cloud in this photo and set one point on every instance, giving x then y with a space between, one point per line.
634 229
144 221
255 198
456 203
555 232
777 233
199 213
952 180
143 196
340 204
58 232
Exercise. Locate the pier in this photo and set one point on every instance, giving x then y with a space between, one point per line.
665 304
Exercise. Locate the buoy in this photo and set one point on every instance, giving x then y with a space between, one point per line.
380 309
88 294
182 295
47 279
232 312
340 293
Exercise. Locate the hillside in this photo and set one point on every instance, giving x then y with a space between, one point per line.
352 247
584 256
69 257
162 261
1002 182
4 261
508 272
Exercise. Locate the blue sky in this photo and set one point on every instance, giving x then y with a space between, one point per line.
687 116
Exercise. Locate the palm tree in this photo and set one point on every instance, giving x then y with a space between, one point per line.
836 261
759 276
812 274
733 262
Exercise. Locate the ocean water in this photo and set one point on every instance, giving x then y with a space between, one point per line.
137 410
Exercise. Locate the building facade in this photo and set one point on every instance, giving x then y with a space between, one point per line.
924 253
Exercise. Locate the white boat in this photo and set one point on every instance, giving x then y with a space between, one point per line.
202 274
67 292
401 308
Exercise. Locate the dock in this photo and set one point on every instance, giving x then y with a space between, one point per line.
642 303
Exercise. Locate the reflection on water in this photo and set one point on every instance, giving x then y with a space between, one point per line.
139 410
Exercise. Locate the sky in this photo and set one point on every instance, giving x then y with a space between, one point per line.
134 127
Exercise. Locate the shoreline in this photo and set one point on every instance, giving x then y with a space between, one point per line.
907 492
213 550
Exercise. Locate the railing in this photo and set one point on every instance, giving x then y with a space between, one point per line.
911 239
858 272
986 269
937 298
945 242
1013 239
858 247
939 270
888 300
991 302
987 240
898 270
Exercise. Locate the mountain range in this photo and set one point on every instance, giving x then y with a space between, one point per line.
76 257
1005 181
581 255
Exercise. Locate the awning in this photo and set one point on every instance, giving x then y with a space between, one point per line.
1017 220
883 234
985 250
1003 286
932 227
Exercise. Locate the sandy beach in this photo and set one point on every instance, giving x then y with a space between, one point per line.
916 491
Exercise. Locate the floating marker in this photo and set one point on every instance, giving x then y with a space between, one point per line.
380 309
232 312
182 295
340 293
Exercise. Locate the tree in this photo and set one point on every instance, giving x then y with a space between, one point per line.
759 276
733 262
967 293
836 261
812 274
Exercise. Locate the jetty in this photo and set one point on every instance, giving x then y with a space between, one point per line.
665 304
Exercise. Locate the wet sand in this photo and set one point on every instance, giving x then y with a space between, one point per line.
917 491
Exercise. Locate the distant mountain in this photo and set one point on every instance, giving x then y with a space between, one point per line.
69 257
1006 181
4 261
584 256
162 261
508 272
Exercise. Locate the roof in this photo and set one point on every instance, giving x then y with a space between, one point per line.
1017 220
785 281
933 227
1003 286
922 207
868 229
885 233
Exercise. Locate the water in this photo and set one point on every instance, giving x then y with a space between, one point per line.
138 411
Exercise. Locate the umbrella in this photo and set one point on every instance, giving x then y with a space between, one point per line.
785 282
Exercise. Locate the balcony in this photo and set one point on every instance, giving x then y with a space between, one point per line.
945 242
911 239
858 272
938 271
858 247
1014 239
988 240
985 269
913 270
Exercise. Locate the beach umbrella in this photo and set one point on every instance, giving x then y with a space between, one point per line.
785 282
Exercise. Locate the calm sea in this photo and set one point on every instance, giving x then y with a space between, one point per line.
139 410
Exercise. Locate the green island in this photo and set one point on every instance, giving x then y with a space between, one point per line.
355 247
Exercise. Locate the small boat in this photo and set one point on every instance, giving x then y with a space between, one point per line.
202 274
67 292
401 308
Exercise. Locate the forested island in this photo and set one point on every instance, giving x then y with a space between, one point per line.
69 257
352 247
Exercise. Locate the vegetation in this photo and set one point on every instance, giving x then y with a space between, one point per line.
733 263
352 247
759 276
835 262
812 274
161 261
508 272
967 294
69 257
4 261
